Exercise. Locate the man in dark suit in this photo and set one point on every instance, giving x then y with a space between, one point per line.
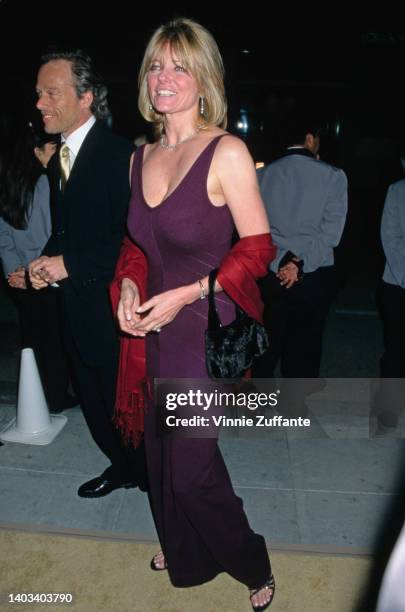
89 198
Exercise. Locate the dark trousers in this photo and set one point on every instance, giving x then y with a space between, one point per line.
97 387
389 398
41 329
391 301
294 319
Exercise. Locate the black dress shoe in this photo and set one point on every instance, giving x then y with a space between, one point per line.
103 485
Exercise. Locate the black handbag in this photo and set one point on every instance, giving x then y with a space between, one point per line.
231 349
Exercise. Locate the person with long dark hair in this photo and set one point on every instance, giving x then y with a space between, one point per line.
25 227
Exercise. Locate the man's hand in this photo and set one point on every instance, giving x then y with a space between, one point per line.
288 274
16 279
47 270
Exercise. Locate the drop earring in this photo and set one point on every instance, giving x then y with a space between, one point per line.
150 106
202 106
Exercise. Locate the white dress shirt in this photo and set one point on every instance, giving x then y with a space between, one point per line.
75 140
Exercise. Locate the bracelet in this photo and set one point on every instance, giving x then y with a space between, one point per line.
202 290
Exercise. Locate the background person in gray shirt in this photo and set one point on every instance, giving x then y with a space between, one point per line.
25 226
306 202
389 399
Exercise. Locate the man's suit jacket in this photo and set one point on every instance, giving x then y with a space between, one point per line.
306 203
89 221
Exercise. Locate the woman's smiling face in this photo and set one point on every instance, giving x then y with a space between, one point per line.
171 87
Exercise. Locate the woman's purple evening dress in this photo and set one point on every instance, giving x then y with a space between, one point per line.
200 521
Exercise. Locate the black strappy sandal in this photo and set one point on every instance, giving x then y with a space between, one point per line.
269 584
155 567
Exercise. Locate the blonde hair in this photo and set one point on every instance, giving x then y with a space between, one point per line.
197 51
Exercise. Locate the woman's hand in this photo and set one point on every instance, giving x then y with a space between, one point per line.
127 308
162 308
16 279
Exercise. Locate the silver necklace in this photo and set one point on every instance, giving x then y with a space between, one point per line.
165 145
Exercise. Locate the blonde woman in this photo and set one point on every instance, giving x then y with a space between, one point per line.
190 189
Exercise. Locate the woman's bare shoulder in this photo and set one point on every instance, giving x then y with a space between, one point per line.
231 147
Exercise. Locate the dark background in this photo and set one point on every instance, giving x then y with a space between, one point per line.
352 75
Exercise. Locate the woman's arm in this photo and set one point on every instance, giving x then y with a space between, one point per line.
234 176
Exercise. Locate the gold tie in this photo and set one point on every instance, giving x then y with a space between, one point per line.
64 165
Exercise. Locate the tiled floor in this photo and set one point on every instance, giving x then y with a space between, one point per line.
312 493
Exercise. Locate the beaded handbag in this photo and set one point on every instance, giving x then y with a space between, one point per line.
231 349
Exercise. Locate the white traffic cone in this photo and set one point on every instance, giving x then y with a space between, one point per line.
33 424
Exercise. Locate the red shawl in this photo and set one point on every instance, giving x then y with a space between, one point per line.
132 383
247 260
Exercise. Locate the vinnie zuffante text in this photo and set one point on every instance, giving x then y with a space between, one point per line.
209 401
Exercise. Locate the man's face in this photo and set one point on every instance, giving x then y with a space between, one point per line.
62 110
